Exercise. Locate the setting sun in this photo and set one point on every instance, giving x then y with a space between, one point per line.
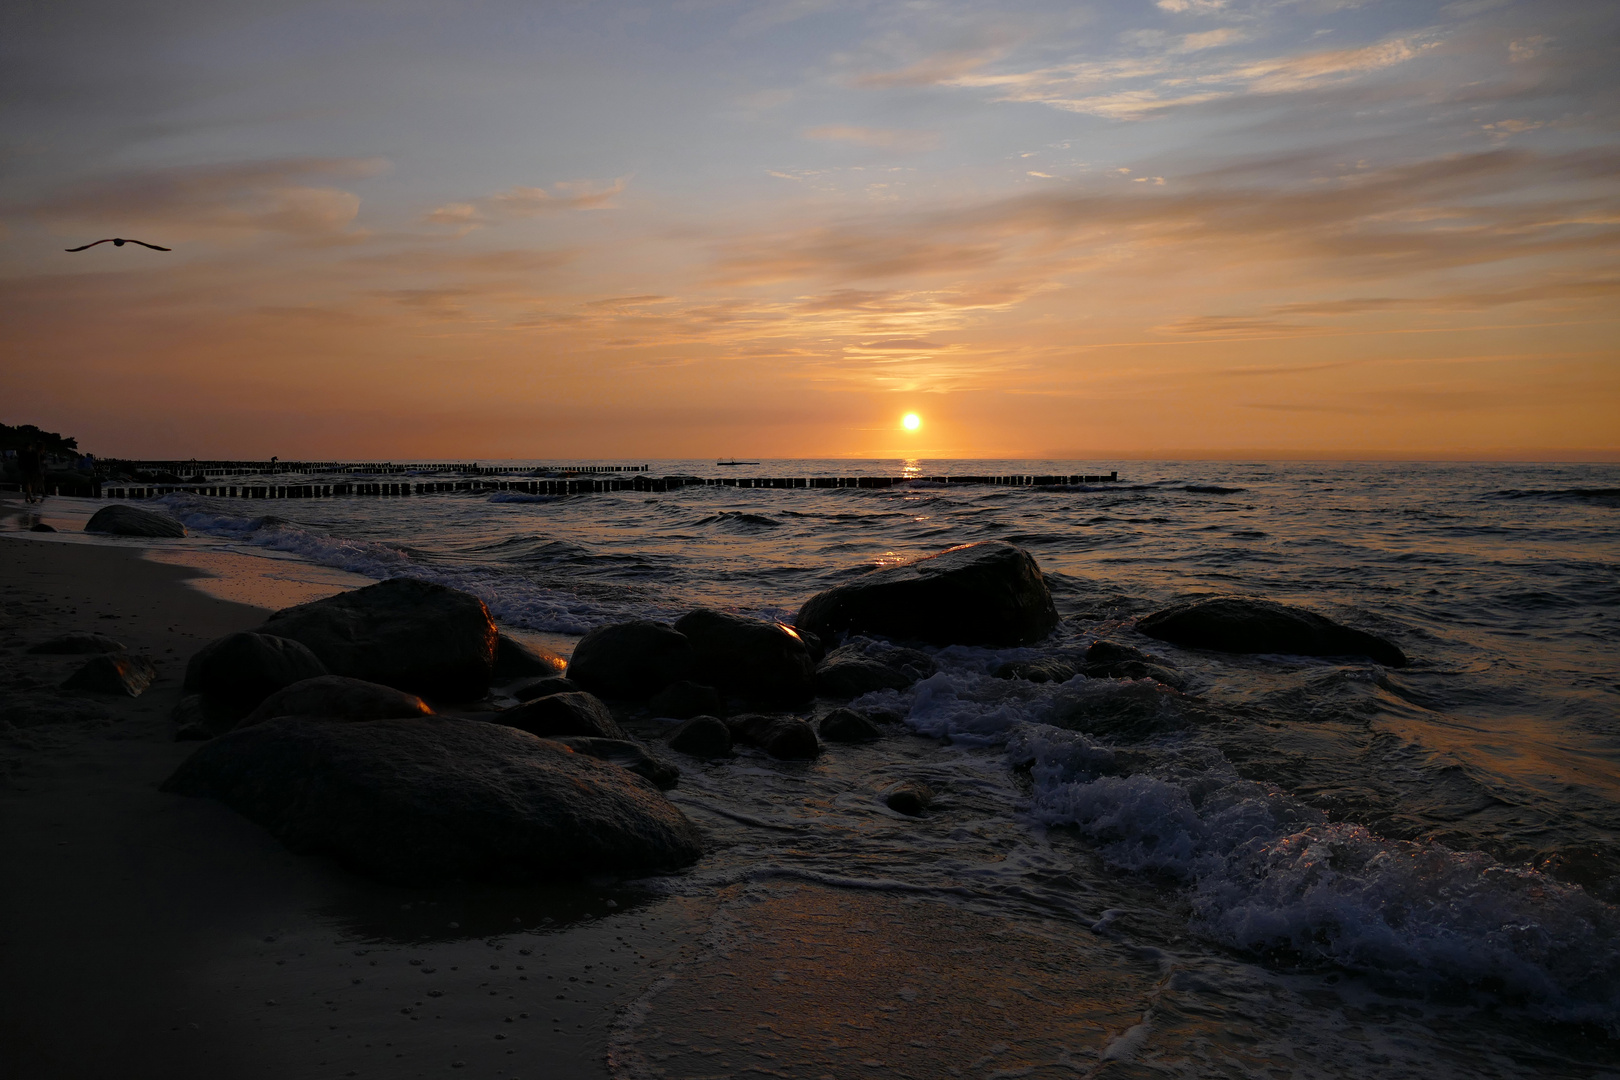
911 421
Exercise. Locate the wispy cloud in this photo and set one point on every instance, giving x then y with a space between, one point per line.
886 138
524 202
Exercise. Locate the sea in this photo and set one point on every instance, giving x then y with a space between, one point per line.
1359 870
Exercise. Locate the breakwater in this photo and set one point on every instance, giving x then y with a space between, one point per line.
582 485
194 468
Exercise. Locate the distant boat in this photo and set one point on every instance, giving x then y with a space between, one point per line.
736 463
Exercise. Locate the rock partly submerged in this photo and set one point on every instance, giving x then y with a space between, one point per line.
122 520
989 593
626 755
1243 624
412 635
417 801
760 661
862 665
785 737
848 726
554 715
702 737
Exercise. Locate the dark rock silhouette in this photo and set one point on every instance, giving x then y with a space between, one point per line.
545 688
702 737
113 673
554 715
1036 671
1242 624
632 660
428 800
412 635
862 665
337 697
908 797
120 520
515 660
760 661
240 670
990 593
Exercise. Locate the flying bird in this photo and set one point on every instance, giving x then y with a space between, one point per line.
118 241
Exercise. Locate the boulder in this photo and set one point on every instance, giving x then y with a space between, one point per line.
848 726
417 801
545 688
515 660
685 699
990 593
1242 624
578 713
908 797
1036 671
785 737
702 737
121 520
632 660
1124 710
862 665
197 717
338 697
40 526
626 755
240 670
760 661
1111 660
76 644
412 635
113 673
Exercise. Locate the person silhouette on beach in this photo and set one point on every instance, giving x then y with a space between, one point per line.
31 462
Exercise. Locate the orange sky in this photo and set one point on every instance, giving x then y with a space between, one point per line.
772 230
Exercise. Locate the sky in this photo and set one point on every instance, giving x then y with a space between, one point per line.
1118 228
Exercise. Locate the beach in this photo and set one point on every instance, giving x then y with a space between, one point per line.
1069 905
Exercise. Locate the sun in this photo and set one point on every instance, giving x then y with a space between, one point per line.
911 421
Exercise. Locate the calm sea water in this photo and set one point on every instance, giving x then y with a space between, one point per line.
1443 839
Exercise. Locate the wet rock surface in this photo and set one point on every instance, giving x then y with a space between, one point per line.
120 520
785 737
989 593
909 797
1037 671
515 660
631 661
1242 624
862 665
848 726
426 800
759 661
540 688
702 737
412 635
338 697
626 755
554 715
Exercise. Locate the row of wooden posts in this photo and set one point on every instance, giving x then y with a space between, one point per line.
581 485
374 468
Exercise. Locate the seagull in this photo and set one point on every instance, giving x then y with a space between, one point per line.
119 241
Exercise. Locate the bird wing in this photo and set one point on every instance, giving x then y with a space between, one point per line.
107 241
154 247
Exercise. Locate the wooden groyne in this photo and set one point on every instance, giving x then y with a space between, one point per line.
353 468
583 485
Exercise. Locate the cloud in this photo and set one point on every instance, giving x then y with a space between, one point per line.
219 202
1194 7
1241 326
887 138
523 202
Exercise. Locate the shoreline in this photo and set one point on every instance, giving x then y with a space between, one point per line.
152 931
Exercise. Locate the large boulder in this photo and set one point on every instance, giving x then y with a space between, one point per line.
555 715
121 520
1243 624
632 660
702 737
760 661
515 660
338 697
540 688
113 673
412 635
785 737
862 665
427 800
240 670
990 593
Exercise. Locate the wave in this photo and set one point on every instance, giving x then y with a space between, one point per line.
521 497
1598 495
737 520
